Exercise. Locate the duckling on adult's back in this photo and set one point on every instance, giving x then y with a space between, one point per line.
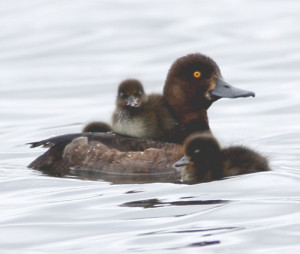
205 160
142 116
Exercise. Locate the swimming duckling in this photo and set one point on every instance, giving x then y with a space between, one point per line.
97 127
141 116
205 160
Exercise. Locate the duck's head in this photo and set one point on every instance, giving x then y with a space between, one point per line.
194 82
203 155
131 94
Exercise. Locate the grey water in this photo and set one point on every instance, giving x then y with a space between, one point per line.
60 65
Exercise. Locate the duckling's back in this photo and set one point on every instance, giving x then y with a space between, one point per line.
160 121
241 160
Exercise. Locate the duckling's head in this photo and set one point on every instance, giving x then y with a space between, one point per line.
194 82
131 94
203 159
97 127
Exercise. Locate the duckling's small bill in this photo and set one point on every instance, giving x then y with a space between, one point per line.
132 101
182 162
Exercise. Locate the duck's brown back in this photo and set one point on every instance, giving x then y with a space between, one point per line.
97 156
95 160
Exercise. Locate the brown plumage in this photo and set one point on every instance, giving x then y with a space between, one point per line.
205 160
192 85
95 157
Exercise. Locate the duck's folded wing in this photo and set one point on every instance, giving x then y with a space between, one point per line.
61 140
113 140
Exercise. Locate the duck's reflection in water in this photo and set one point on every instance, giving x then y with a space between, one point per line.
154 203
169 176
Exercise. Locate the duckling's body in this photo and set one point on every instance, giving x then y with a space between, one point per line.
205 160
141 116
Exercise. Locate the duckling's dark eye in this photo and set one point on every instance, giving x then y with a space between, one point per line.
197 74
122 94
139 92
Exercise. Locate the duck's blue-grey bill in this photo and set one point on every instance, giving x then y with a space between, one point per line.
224 90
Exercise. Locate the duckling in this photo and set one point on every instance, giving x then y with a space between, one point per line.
97 127
193 83
141 116
205 160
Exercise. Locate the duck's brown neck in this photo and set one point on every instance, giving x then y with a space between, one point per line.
194 122
190 120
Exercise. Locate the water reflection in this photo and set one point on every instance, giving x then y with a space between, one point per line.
202 244
154 203
94 175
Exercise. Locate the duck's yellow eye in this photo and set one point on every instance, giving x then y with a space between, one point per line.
197 74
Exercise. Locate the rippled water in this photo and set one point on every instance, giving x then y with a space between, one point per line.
60 64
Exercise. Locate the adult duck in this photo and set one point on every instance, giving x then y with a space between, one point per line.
193 83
